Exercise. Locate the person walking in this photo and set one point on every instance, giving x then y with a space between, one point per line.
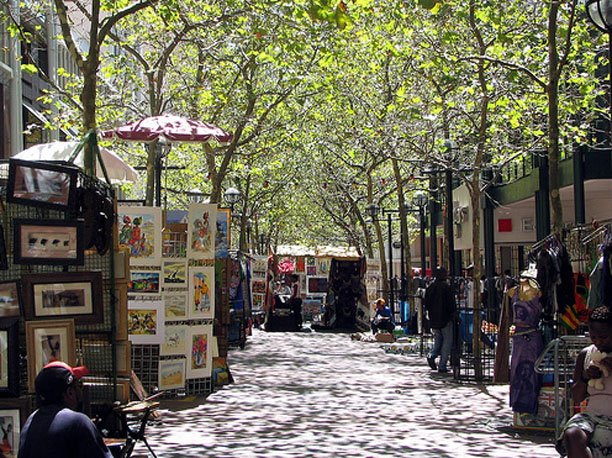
441 308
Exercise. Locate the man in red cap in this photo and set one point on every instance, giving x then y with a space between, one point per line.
57 429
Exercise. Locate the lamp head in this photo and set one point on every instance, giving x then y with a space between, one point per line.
599 13
372 210
419 198
232 195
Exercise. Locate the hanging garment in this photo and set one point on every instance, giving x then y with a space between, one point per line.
548 277
566 297
595 290
527 344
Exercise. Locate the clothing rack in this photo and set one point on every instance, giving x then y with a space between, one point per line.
601 230
552 237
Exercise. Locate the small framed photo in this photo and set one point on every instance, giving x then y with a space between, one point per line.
47 341
11 422
144 282
175 340
10 298
171 374
75 295
201 293
42 184
199 357
175 305
174 273
146 322
201 229
51 241
9 357
140 231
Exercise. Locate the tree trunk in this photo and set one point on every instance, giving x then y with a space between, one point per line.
476 317
553 120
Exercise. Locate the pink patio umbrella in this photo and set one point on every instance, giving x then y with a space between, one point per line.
174 128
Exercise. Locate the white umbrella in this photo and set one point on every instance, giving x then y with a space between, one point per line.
118 170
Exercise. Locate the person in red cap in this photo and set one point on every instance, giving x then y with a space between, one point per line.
57 429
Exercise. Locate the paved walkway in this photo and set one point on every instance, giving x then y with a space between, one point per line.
324 395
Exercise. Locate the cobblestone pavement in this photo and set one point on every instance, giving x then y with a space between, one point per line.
324 395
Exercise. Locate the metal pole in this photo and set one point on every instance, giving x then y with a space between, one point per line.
433 254
423 253
391 294
449 223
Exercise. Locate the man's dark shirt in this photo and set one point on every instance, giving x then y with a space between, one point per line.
440 304
56 432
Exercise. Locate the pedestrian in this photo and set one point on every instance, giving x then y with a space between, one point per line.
441 308
295 301
589 433
57 429
383 318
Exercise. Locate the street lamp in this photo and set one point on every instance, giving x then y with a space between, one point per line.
599 13
232 196
420 200
195 196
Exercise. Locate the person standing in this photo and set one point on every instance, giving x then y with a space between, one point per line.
57 429
441 308
295 301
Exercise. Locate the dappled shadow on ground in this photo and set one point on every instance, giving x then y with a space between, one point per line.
322 395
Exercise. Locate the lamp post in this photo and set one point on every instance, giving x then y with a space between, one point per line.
600 14
262 243
232 196
420 200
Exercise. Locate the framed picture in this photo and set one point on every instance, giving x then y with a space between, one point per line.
201 229
199 358
10 298
47 341
175 340
223 234
201 293
317 285
323 265
171 374
11 420
258 286
258 300
50 241
259 267
9 357
42 184
144 282
145 322
174 272
140 230
75 295
175 305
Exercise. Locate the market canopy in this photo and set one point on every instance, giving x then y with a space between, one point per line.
171 127
118 170
337 252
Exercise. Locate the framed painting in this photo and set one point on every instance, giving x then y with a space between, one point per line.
171 374
258 286
75 295
201 229
223 235
323 265
174 273
175 340
42 184
11 421
144 282
258 300
317 285
175 305
46 341
201 293
146 322
199 357
9 357
10 298
140 231
259 266
51 241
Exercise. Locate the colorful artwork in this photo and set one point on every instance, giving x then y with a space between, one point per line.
201 292
174 272
259 286
258 301
323 266
144 282
175 305
223 235
145 322
171 374
201 231
259 267
10 425
175 340
300 264
311 262
311 270
199 362
140 231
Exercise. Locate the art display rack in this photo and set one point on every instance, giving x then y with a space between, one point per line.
101 363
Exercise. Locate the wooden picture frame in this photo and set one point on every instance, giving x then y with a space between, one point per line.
201 229
144 282
16 417
49 241
9 357
75 295
174 272
10 299
140 229
146 322
199 352
201 293
48 341
42 184
175 340
171 374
